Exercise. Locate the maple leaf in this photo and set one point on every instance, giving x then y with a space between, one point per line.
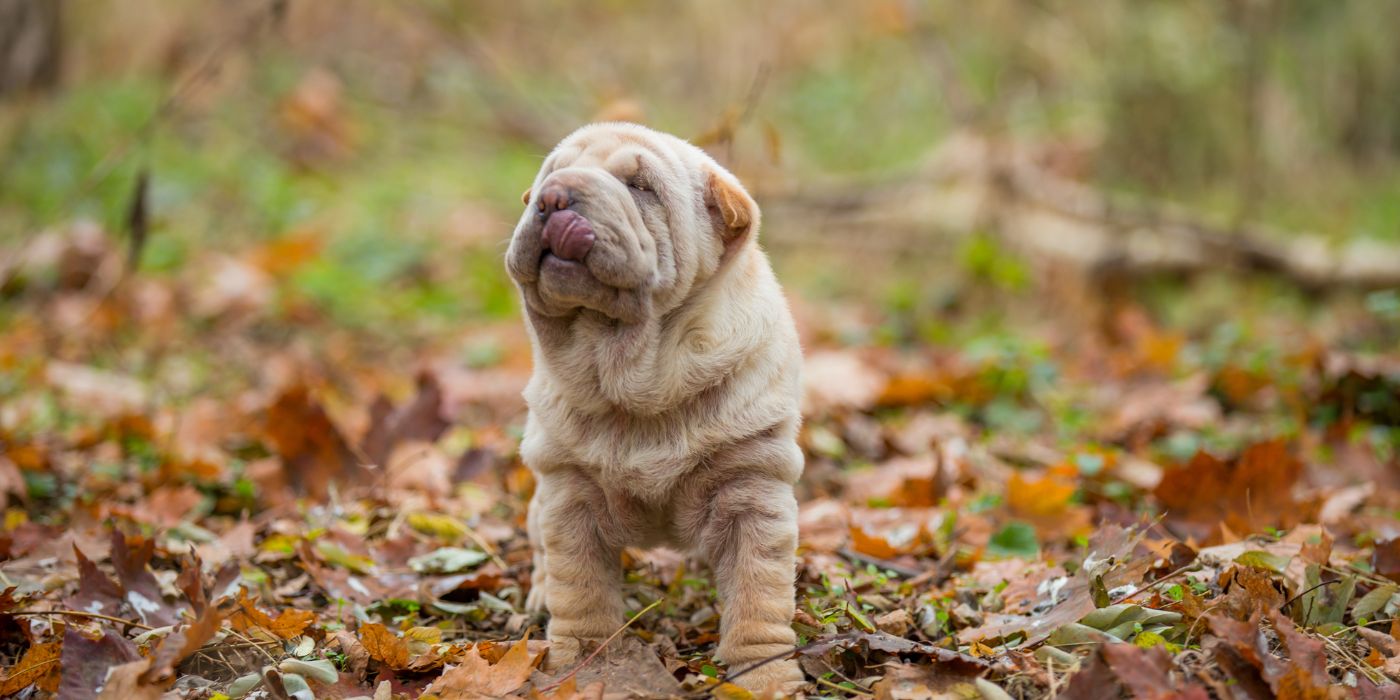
97 593
39 666
418 420
288 624
139 586
384 646
313 450
86 662
1245 495
475 677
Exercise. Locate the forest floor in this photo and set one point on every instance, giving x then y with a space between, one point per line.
211 483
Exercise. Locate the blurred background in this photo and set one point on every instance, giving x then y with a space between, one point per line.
1215 182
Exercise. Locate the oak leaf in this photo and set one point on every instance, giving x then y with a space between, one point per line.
476 678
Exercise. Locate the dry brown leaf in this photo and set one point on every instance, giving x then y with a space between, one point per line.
97 593
179 645
126 682
288 624
139 586
1148 673
384 646
1046 503
476 678
419 420
1246 495
86 662
39 666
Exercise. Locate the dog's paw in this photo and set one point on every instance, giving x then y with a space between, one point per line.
776 679
566 652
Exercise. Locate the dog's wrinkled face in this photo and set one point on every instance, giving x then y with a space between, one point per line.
624 221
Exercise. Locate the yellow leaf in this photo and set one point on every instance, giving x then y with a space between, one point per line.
438 525
729 691
339 556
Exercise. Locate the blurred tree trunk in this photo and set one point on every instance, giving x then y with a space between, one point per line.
30 45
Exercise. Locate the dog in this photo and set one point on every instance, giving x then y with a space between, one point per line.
664 402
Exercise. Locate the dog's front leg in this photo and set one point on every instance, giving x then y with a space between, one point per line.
751 542
583 569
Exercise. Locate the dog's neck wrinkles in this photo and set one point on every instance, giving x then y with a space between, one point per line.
661 362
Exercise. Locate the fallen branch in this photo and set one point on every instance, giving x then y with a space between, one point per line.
972 183
80 613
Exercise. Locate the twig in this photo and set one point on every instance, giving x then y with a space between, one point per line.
778 657
1290 601
254 644
485 546
904 571
1154 584
80 613
601 647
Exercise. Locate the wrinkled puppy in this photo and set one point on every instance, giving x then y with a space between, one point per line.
664 400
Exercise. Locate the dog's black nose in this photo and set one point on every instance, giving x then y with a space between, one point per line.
554 198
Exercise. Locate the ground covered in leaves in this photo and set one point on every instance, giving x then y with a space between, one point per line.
213 490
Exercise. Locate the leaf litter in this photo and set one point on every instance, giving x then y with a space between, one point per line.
312 520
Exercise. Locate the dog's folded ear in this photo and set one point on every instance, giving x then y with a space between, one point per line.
525 196
733 211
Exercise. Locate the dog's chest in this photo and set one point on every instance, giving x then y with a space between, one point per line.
642 459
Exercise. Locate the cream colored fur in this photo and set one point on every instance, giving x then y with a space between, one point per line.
664 400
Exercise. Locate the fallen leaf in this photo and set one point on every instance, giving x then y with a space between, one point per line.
86 662
39 666
1047 503
179 645
289 622
314 452
97 593
419 420
126 682
140 589
1147 673
475 678
1108 564
1247 495
384 646
1385 558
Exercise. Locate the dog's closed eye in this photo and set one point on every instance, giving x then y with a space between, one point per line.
638 183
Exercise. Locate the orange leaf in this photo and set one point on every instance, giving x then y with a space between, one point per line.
384 646
288 623
39 665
